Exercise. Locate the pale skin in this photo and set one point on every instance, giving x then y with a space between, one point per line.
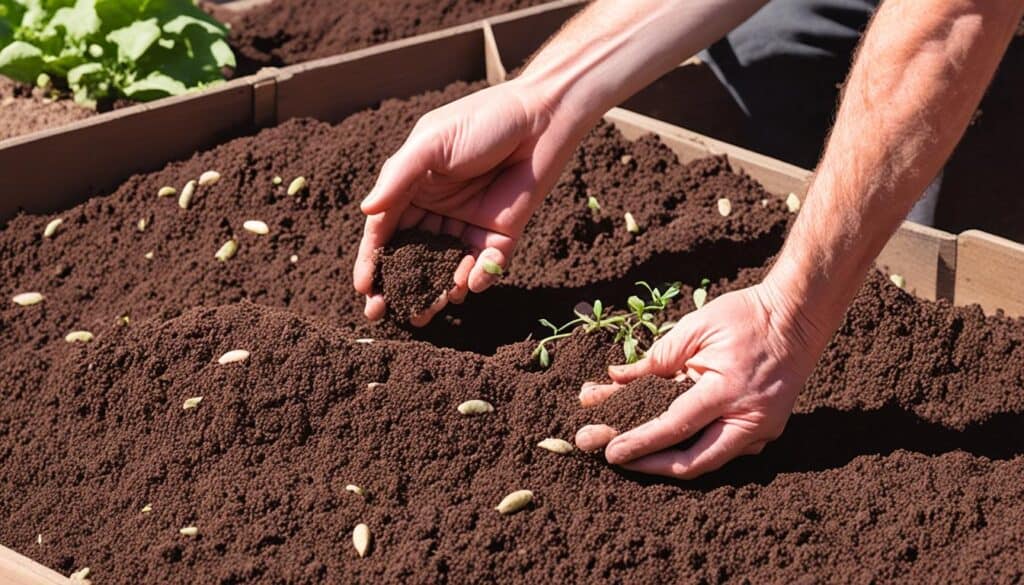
479 167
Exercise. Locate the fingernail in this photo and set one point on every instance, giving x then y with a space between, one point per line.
617 370
586 388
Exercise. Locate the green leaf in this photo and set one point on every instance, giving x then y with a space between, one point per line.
222 54
179 23
700 296
629 348
134 40
549 325
598 309
89 82
636 304
21 61
78 22
155 85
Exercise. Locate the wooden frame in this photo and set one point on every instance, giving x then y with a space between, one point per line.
16 569
990 272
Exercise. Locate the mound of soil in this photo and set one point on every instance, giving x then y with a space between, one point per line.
24 110
415 268
902 462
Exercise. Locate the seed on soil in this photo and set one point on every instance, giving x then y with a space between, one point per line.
147 508
185 199
189 531
514 502
593 204
559 446
39 539
293 259
363 340
208 178
355 490
191 402
277 180
374 385
166 192
80 575
51 228
724 207
26 299
149 255
898 280
361 539
235 355
492 267
124 320
78 336
472 407
700 296
297 185
764 203
226 251
143 223
256 226
625 159
793 203
631 225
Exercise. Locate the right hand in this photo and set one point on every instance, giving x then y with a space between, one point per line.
476 169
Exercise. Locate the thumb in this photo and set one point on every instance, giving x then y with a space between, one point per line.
397 177
666 357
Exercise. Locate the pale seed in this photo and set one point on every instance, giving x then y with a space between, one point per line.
277 180
363 340
208 178
191 402
793 203
898 280
700 296
143 222
471 407
355 490
226 251
185 199
764 203
189 531
559 446
514 502
166 192
297 185
361 539
256 226
27 299
492 267
78 336
39 539
147 508
149 255
724 207
124 320
625 159
293 259
80 575
51 228
374 385
631 225
235 355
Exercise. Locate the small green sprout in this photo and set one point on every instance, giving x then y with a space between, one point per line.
593 204
700 294
492 267
625 325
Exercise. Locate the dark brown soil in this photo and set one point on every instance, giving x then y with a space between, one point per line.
903 461
415 268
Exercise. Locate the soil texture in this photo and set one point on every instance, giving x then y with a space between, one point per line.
903 461
24 110
415 269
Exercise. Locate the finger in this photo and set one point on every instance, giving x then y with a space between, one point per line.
720 443
375 307
665 358
453 227
594 437
423 317
377 230
431 223
592 394
462 276
398 175
410 217
688 414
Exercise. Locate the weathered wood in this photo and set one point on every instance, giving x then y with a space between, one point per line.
990 272
519 34
17 569
925 257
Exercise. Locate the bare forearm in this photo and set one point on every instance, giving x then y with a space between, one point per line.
919 75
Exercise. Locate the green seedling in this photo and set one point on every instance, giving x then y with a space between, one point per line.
593 204
700 294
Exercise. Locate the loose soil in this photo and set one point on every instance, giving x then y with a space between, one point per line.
415 269
903 461
24 110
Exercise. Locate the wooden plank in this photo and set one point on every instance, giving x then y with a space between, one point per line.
925 257
61 167
519 34
16 569
332 88
990 272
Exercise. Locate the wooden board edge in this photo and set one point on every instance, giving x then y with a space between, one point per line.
492 55
17 569
990 272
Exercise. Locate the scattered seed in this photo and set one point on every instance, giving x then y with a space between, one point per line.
297 185
191 402
147 508
514 502
374 385
700 296
631 225
78 336
277 180
166 192
208 178
39 539
764 203
363 340
185 199
355 490
293 259
51 228
27 298
793 203
189 531
471 407
143 223
724 207
492 267
625 159
593 204
235 355
80 575
256 226
559 446
898 280
361 539
123 320
226 251
149 255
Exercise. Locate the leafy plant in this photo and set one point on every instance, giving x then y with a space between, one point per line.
109 49
641 315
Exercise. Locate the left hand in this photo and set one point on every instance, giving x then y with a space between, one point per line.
749 358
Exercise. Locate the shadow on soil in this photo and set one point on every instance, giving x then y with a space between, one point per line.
829 439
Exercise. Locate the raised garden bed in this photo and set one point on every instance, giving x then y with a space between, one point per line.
902 462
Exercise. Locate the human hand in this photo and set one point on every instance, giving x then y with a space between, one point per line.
476 169
749 356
